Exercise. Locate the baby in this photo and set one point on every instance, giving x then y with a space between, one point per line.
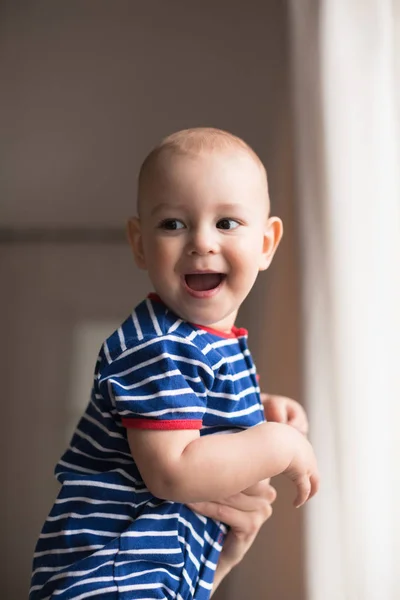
175 415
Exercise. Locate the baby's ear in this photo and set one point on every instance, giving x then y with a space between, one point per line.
135 239
272 236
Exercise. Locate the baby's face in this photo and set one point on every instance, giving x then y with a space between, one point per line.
204 234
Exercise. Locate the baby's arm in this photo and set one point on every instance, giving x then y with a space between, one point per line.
180 465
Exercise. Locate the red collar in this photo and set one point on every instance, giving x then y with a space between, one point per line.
235 332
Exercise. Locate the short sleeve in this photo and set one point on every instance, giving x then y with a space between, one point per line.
161 383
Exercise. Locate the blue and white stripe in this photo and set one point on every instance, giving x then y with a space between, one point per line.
106 535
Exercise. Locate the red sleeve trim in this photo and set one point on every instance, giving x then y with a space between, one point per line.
132 423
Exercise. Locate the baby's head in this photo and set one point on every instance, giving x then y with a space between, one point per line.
203 229
195 143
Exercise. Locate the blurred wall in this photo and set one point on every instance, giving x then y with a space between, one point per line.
88 88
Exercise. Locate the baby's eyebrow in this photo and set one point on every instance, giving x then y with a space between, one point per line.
159 207
167 206
231 206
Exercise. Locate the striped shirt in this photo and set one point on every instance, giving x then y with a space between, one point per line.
106 535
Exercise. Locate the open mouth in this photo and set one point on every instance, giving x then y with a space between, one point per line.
202 282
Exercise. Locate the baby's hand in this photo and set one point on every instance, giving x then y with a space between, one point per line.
285 410
303 471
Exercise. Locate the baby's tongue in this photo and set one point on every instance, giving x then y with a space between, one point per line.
203 281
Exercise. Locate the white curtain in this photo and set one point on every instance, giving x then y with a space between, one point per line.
347 109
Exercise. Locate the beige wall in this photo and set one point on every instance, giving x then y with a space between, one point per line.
89 88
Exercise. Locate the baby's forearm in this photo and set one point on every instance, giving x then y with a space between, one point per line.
217 466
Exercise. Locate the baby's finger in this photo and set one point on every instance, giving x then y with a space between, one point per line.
303 490
314 480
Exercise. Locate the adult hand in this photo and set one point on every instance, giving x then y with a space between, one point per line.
245 513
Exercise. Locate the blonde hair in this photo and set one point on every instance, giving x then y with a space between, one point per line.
193 142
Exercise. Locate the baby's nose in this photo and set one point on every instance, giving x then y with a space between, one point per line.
203 241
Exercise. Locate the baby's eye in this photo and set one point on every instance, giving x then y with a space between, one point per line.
227 224
171 224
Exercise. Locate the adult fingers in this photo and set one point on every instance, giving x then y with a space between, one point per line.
262 489
242 521
235 509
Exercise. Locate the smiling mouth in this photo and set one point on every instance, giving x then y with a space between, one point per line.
201 282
